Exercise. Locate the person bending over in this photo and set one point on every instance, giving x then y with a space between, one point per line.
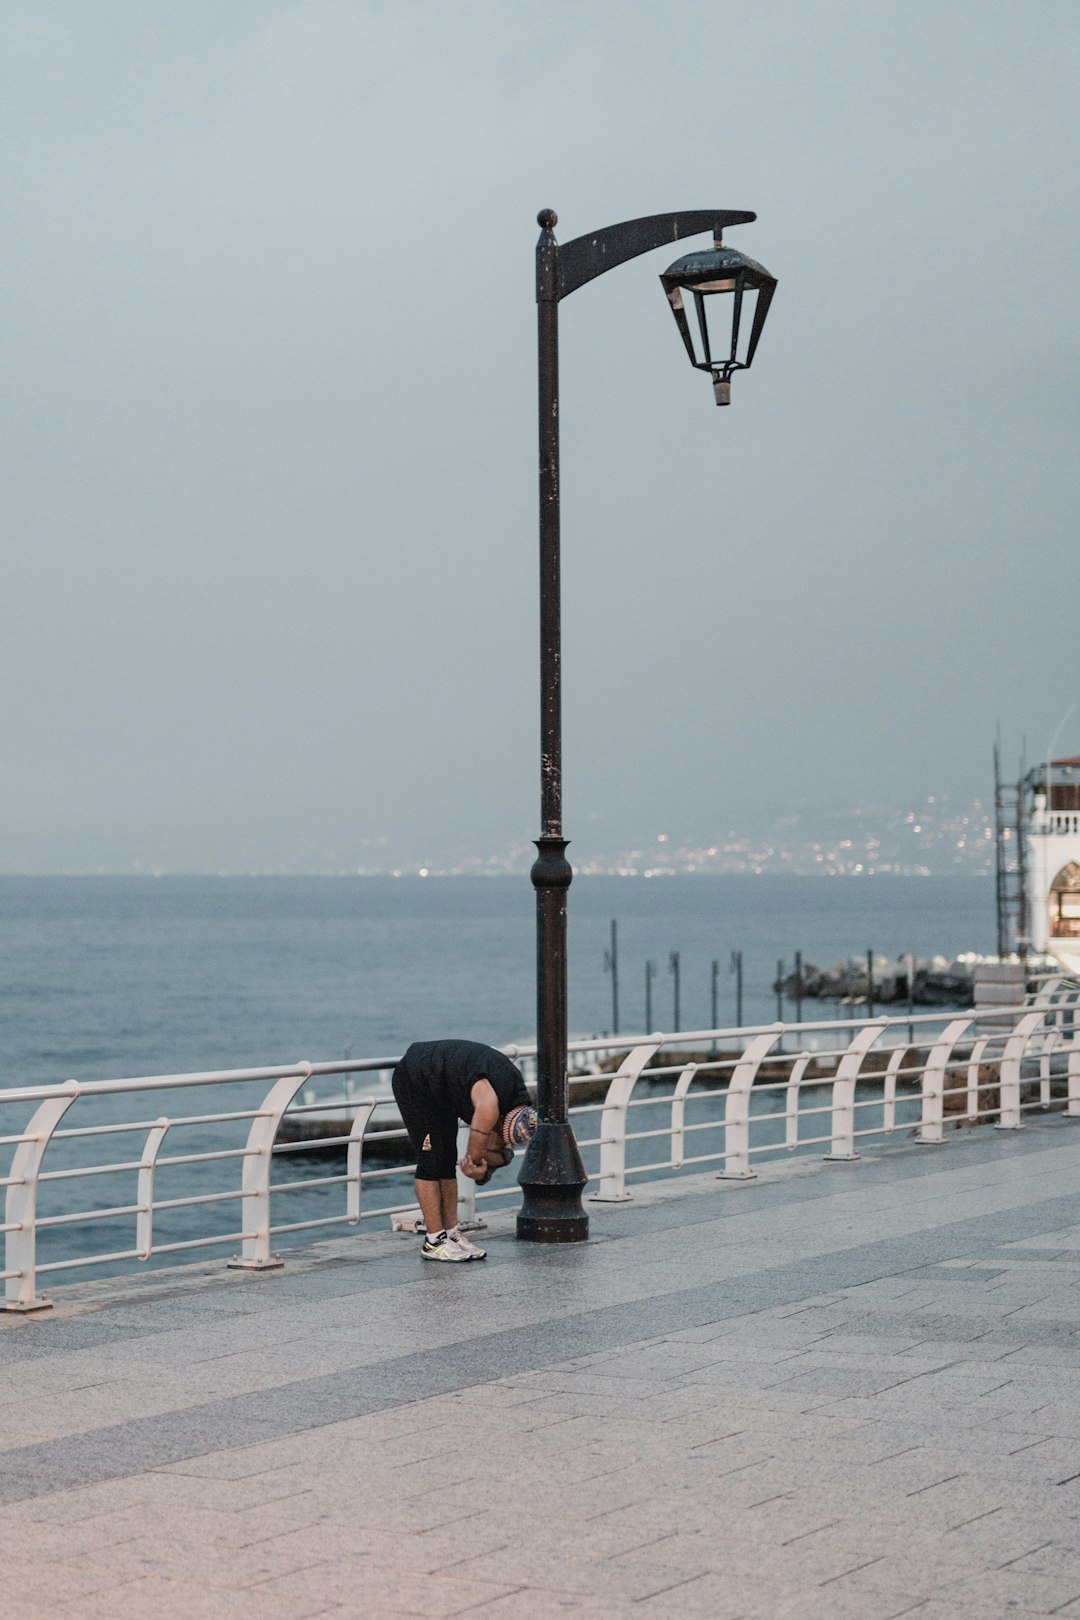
436 1084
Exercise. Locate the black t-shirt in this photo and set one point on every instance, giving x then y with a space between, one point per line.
446 1072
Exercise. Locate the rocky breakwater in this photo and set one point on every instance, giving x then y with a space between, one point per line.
936 981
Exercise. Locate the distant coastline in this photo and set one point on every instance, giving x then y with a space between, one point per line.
455 873
932 838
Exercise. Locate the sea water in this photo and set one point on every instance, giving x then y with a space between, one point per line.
104 976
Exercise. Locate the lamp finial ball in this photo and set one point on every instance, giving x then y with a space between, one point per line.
547 219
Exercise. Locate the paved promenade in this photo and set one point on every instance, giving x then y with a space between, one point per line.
844 1390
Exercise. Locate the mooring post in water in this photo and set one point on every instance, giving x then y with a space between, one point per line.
869 984
611 965
780 1000
650 969
736 968
798 987
714 998
910 960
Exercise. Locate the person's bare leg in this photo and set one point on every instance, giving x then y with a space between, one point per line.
429 1197
448 1202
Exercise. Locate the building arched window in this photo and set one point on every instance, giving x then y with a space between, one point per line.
1064 903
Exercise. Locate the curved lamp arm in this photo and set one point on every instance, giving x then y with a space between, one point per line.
562 270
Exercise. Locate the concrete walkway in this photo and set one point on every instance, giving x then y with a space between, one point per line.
844 1390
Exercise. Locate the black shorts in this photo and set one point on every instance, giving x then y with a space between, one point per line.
432 1131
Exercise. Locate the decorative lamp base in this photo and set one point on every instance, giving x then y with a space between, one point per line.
552 1180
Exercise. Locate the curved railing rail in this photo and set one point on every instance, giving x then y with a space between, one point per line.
718 1098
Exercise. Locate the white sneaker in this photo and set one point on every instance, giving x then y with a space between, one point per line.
473 1250
445 1247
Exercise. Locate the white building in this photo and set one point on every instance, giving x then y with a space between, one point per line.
1053 840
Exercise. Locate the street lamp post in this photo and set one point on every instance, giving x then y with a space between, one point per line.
552 1174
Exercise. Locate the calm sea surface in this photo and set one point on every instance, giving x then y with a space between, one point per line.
108 977
102 977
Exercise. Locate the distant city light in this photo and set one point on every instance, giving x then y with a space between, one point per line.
954 838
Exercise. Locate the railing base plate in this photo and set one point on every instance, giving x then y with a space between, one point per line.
842 1158
1010 1127
736 1175
275 1263
24 1307
609 1198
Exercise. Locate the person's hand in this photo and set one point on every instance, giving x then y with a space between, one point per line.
474 1171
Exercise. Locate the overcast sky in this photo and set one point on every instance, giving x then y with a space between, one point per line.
267 350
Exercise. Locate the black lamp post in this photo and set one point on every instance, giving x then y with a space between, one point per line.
552 1174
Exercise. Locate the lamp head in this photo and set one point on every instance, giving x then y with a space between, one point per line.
726 273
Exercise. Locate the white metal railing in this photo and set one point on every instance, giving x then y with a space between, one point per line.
734 1093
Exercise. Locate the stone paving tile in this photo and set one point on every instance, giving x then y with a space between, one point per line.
937 1609
156 1598
56 1582
533 1603
377 1590
33 1539
1009 1590
185 1553
742 1598
75 1506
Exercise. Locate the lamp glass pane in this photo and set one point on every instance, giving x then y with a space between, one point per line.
720 312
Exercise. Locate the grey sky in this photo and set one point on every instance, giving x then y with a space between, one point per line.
269 400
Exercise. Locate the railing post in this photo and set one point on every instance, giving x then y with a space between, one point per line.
612 1188
678 1115
974 1064
888 1110
1072 1108
144 1221
1046 1057
363 1113
466 1187
20 1205
791 1101
932 1120
737 1108
255 1251
1011 1059
842 1150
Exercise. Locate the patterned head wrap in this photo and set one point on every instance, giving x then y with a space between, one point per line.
519 1126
